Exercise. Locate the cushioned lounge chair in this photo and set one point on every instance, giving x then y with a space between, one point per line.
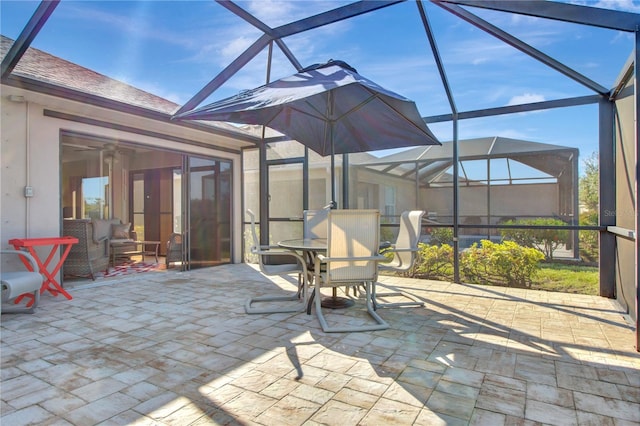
18 282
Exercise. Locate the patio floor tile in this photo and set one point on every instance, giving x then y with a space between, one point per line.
176 348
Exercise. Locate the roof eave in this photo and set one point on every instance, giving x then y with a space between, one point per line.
76 95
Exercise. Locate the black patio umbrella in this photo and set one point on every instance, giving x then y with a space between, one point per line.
328 107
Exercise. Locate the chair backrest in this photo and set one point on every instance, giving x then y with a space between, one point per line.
315 223
353 234
175 241
408 238
270 264
254 233
174 247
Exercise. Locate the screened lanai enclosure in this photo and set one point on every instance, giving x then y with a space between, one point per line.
477 187
492 169
500 180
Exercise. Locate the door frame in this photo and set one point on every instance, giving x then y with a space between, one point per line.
265 214
187 211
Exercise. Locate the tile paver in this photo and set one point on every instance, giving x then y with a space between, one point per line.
176 348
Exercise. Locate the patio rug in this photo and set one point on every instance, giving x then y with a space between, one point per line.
128 269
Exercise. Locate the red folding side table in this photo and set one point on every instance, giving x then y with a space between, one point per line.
49 284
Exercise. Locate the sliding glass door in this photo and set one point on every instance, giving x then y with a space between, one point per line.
209 211
160 192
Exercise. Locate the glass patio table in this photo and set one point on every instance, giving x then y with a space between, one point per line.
310 247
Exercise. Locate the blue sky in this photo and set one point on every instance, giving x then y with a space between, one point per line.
174 48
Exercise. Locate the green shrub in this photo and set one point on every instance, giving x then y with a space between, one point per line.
546 240
440 236
506 263
434 262
589 239
387 234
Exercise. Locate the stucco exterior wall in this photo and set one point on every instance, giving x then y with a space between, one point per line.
30 151
30 157
506 200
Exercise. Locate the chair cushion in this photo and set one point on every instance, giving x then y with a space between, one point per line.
102 229
19 282
120 231
121 240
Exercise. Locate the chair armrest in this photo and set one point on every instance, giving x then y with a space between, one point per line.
26 255
270 250
401 250
385 245
277 251
324 259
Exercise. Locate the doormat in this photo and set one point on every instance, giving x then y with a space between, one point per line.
128 269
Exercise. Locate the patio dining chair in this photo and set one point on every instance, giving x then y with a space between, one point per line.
289 263
352 259
15 283
404 251
315 223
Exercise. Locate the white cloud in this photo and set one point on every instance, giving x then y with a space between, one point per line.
622 5
478 51
276 13
526 98
272 13
235 47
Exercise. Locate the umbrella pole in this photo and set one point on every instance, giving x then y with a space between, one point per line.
334 203
330 122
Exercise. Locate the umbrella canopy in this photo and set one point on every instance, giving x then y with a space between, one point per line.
328 107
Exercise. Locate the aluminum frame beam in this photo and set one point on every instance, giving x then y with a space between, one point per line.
522 46
225 74
585 15
454 113
237 10
322 19
636 83
607 198
534 106
29 32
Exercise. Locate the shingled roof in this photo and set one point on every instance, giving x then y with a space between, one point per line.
42 66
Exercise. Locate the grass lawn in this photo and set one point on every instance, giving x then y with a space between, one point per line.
568 279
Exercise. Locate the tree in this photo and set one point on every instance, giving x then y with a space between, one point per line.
589 184
589 200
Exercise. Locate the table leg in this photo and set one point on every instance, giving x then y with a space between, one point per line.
50 284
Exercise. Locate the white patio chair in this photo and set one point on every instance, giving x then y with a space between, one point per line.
404 257
352 258
15 283
315 223
295 264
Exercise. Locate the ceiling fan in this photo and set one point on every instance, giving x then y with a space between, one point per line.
108 148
